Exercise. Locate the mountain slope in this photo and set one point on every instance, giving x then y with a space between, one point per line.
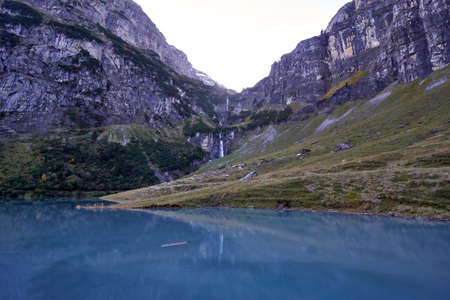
397 162
356 119
385 41
57 74
125 19
69 86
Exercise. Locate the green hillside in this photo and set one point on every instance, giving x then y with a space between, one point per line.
398 164
94 161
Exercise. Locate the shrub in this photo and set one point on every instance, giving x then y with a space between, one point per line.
171 156
22 9
9 39
284 115
263 118
191 128
6 19
74 32
345 83
26 15
266 117
82 60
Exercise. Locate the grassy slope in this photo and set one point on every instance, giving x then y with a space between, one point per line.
399 163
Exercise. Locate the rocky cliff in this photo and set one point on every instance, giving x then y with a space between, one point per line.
368 45
90 64
125 19
93 100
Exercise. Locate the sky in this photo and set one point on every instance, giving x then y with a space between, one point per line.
237 41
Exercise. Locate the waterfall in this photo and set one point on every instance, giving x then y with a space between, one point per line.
221 153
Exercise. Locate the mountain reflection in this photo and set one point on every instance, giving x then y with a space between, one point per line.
50 250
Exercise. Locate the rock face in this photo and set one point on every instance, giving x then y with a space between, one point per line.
368 45
125 19
91 63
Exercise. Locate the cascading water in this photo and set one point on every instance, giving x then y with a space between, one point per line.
221 152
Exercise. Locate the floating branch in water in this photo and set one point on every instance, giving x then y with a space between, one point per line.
175 244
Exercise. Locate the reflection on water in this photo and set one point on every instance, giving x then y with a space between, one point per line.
50 250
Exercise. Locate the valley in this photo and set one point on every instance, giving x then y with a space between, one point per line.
355 119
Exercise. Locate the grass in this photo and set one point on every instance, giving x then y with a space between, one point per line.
347 82
399 163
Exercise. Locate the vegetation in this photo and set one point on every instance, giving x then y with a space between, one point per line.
21 8
149 62
398 165
6 19
191 127
347 82
83 60
9 39
237 118
171 156
74 32
26 15
266 117
85 162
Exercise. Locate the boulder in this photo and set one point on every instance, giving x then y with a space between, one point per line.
342 147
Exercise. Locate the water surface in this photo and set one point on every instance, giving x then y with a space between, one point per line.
50 250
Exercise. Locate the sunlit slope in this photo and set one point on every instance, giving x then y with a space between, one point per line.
399 162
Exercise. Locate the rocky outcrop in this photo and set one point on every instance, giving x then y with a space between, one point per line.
384 41
210 142
125 19
88 64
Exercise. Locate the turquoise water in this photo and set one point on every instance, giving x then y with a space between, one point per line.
50 250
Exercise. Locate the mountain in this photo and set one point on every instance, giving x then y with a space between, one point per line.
91 81
368 45
125 19
386 155
61 65
93 101
355 119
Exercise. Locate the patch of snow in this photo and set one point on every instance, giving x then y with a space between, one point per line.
330 121
380 98
436 84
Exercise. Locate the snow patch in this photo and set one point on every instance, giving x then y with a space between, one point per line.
330 121
380 98
436 84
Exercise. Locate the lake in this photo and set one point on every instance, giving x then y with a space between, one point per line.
51 250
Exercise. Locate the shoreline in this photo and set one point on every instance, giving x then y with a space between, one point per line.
115 204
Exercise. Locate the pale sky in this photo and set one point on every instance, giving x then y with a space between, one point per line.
236 41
